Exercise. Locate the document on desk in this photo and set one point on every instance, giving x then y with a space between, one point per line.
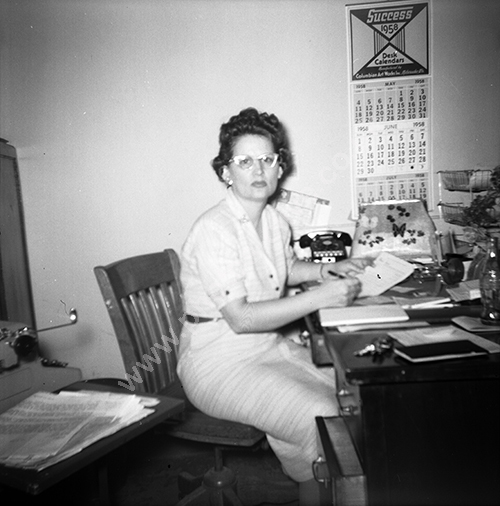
448 333
387 270
47 428
357 315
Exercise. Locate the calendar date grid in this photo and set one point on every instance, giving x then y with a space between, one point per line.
390 140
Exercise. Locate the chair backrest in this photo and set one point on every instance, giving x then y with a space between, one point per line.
144 301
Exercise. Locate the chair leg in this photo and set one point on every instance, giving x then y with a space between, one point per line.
220 497
218 484
223 497
231 496
186 501
187 483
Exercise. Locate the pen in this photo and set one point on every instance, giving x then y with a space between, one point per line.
432 306
336 275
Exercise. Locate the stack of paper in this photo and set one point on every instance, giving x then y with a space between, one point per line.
422 302
46 428
356 315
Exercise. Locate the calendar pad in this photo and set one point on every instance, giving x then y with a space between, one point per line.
390 140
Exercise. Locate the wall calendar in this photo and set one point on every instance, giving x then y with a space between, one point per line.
389 102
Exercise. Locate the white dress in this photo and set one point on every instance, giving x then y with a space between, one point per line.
261 379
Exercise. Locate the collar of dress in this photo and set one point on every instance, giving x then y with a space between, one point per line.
236 207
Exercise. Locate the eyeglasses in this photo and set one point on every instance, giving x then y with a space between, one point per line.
246 162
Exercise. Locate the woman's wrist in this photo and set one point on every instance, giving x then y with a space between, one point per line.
323 270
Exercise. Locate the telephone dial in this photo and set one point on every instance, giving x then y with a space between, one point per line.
326 246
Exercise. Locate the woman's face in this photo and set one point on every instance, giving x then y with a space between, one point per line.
257 183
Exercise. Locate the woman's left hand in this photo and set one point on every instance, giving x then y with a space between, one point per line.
349 267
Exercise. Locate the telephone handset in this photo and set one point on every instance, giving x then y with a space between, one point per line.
326 246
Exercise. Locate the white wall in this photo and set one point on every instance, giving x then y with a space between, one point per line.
114 108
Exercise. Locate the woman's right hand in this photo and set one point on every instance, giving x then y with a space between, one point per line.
339 292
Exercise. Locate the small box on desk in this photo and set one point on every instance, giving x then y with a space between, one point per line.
444 350
466 290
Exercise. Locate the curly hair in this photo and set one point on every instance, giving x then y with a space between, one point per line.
250 122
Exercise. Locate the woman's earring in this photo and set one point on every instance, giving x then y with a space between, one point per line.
227 180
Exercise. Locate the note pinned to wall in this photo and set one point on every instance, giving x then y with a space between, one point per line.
303 211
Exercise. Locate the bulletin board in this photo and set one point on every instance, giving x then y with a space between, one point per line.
389 95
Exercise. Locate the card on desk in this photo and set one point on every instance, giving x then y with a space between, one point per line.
434 334
474 325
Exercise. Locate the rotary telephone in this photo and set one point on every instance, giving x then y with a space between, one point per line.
326 246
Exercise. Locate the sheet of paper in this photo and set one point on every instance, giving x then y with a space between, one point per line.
303 210
403 289
344 329
422 302
355 315
372 301
387 270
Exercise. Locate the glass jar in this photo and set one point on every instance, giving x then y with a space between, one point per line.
489 284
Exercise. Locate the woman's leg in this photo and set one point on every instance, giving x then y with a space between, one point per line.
278 391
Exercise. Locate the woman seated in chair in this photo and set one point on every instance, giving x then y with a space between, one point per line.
235 265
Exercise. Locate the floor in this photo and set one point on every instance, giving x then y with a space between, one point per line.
145 472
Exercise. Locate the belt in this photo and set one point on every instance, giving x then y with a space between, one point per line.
199 319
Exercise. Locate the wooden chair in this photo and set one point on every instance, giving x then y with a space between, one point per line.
144 301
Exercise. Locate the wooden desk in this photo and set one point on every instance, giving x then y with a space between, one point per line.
33 482
321 355
426 434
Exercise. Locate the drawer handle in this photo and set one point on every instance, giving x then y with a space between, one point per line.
343 392
320 471
349 410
